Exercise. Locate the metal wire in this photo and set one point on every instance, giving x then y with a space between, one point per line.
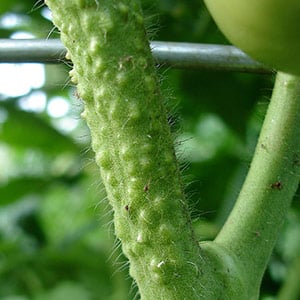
173 54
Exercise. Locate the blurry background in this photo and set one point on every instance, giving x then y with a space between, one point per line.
56 236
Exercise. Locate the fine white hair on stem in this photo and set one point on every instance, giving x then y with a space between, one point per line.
53 30
116 247
37 5
134 290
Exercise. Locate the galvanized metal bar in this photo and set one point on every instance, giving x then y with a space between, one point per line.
31 51
171 54
205 56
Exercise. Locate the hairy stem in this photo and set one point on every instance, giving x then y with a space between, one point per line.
255 222
116 78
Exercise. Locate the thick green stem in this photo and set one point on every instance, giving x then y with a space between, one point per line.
116 78
254 224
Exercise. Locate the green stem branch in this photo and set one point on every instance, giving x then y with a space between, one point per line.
255 222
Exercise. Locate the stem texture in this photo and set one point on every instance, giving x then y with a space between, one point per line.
116 78
255 222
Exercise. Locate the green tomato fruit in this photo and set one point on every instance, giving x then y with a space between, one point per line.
267 30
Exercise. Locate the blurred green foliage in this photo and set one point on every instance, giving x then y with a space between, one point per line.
56 235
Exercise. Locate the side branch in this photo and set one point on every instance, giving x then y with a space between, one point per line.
253 226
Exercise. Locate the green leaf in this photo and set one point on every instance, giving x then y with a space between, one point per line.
17 188
28 130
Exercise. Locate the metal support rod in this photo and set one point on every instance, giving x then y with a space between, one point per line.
170 54
205 56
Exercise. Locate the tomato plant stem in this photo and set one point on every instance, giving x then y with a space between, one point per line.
255 222
116 78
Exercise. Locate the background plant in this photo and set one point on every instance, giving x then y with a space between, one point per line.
223 111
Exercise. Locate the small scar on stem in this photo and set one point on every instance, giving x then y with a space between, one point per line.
263 146
147 187
257 233
277 185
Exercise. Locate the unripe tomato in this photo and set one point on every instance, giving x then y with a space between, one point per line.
267 30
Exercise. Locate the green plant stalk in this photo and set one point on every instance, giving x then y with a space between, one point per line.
255 222
115 75
116 78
